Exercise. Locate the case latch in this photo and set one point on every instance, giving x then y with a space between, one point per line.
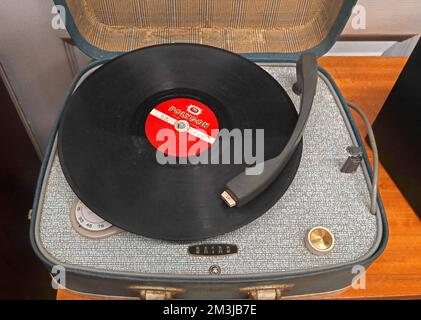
157 293
268 292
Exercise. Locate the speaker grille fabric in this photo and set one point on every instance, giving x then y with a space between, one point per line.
319 195
235 25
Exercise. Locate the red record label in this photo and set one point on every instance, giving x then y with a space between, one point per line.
181 127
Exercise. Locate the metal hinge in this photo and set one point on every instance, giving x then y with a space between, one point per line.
268 292
157 293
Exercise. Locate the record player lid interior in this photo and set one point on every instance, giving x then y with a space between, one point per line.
106 28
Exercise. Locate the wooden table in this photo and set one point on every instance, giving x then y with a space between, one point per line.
367 81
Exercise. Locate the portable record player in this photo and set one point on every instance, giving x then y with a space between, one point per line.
121 224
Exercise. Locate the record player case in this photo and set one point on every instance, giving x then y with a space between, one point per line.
273 260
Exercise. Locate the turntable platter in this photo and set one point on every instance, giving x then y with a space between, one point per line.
108 139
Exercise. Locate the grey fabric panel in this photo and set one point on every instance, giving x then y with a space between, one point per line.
319 195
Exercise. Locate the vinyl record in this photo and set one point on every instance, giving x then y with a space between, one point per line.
108 140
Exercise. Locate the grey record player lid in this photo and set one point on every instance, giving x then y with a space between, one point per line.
268 28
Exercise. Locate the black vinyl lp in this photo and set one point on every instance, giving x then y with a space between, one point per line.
109 155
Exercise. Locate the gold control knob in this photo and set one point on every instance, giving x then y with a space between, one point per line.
320 240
